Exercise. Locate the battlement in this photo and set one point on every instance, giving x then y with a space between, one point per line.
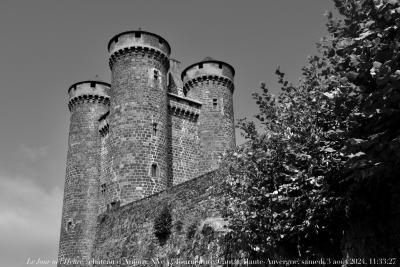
139 50
208 70
208 67
88 91
138 42
213 79
184 107
138 38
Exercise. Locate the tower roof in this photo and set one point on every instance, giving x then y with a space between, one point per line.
89 81
138 31
208 60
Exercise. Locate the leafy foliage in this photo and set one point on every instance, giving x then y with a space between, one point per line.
319 149
163 225
191 231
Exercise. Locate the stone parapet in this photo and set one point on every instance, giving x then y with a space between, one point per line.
88 92
184 107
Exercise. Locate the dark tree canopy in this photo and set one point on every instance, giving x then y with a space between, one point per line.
325 152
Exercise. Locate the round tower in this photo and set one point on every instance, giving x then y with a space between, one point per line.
139 137
210 82
88 101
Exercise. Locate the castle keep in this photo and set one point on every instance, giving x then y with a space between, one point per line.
151 129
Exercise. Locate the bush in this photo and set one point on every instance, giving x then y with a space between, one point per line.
163 225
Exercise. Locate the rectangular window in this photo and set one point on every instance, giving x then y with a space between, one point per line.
138 34
220 65
156 75
200 65
154 170
92 84
155 128
103 189
215 103
169 78
112 205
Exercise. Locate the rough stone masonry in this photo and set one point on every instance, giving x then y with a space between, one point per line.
152 137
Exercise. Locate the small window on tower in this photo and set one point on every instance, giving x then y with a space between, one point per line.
215 103
138 34
103 189
169 80
154 170
112 205
92 84
156 75
200 65
220 65
155 124
69 226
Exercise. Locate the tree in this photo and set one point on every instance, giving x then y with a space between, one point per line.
366 48
321 155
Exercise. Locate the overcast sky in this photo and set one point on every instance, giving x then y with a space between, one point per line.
48 45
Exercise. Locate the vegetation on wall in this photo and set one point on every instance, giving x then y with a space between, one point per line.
163 225
323 153
191 231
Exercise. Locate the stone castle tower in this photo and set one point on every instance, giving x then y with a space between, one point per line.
151 129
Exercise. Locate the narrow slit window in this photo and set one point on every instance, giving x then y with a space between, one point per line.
220 65
160 40
215 103
200 65
69 226
169 80
154 170
116 40
156 75
155 124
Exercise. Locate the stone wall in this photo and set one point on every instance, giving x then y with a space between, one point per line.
175 85
185 150
211 83
108 186
88 101
138 137
127 232
139 115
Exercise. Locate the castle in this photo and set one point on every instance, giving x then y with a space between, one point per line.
152 129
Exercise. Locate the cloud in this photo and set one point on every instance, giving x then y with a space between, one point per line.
32 154
30 219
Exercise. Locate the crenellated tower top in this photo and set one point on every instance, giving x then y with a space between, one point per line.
139 42
89 90
208 69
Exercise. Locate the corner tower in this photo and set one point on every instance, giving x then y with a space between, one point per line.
211 83
88 101
139 137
